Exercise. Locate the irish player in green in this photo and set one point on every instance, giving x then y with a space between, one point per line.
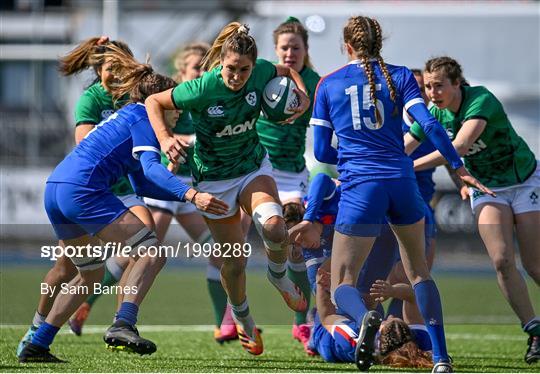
482 133
231 163
285 146
188 66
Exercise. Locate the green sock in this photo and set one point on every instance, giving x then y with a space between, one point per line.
219 299
108 280
300 278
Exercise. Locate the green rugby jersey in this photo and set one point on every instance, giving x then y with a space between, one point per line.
499 157
227 144
95 105
286 144
184 126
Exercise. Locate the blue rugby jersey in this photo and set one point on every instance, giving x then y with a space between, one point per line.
367 150
322 200
115 148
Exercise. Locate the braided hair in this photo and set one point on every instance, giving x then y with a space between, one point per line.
364 35
398 349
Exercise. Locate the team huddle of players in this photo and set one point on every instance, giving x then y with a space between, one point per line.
196 148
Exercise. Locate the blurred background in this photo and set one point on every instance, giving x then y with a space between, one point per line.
496 42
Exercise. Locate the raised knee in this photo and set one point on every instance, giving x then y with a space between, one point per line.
275 230
268 219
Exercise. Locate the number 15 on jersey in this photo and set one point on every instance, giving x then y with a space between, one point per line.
367 103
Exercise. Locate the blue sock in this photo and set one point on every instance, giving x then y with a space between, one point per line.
349 300
45 334
395 308
128 312
429 304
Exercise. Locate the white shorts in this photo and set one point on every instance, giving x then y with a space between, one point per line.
174 208
522 198
229 190
131 200
291 186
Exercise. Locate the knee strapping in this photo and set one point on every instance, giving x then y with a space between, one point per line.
142 240
262 213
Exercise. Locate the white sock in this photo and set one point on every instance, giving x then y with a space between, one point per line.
242 317
278 268
297 267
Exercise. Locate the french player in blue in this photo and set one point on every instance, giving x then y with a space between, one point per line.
362 103
426 186
334 333
79 204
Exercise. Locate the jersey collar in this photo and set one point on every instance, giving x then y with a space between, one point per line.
359 62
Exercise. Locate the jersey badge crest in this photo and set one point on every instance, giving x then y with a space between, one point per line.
251 98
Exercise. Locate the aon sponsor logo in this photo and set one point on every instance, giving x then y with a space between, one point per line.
237 129
477 146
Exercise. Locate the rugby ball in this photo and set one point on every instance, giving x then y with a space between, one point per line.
279 99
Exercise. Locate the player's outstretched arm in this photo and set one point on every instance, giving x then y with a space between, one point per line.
156 105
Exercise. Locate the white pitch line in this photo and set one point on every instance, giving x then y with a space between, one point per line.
100 329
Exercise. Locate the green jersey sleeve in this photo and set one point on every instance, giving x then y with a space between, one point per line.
188 94
483 106
87 110
264 70
417 132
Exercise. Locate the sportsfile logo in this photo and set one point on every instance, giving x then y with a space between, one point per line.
215 111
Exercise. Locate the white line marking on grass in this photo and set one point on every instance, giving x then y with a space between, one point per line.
461 336
100 329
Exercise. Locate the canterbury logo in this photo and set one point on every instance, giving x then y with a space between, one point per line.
216 111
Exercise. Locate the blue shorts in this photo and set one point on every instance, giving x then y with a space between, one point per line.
75 210
364 206
337 348
379 263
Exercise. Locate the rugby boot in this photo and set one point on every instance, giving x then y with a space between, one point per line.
365 345
35 353
77 321
27 338
122 336
533 351
443 367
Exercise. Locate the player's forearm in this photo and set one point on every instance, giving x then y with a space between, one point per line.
403 292
156 116
429 161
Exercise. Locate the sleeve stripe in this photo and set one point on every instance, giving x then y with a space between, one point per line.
172 98
412 102
143 148
320 122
